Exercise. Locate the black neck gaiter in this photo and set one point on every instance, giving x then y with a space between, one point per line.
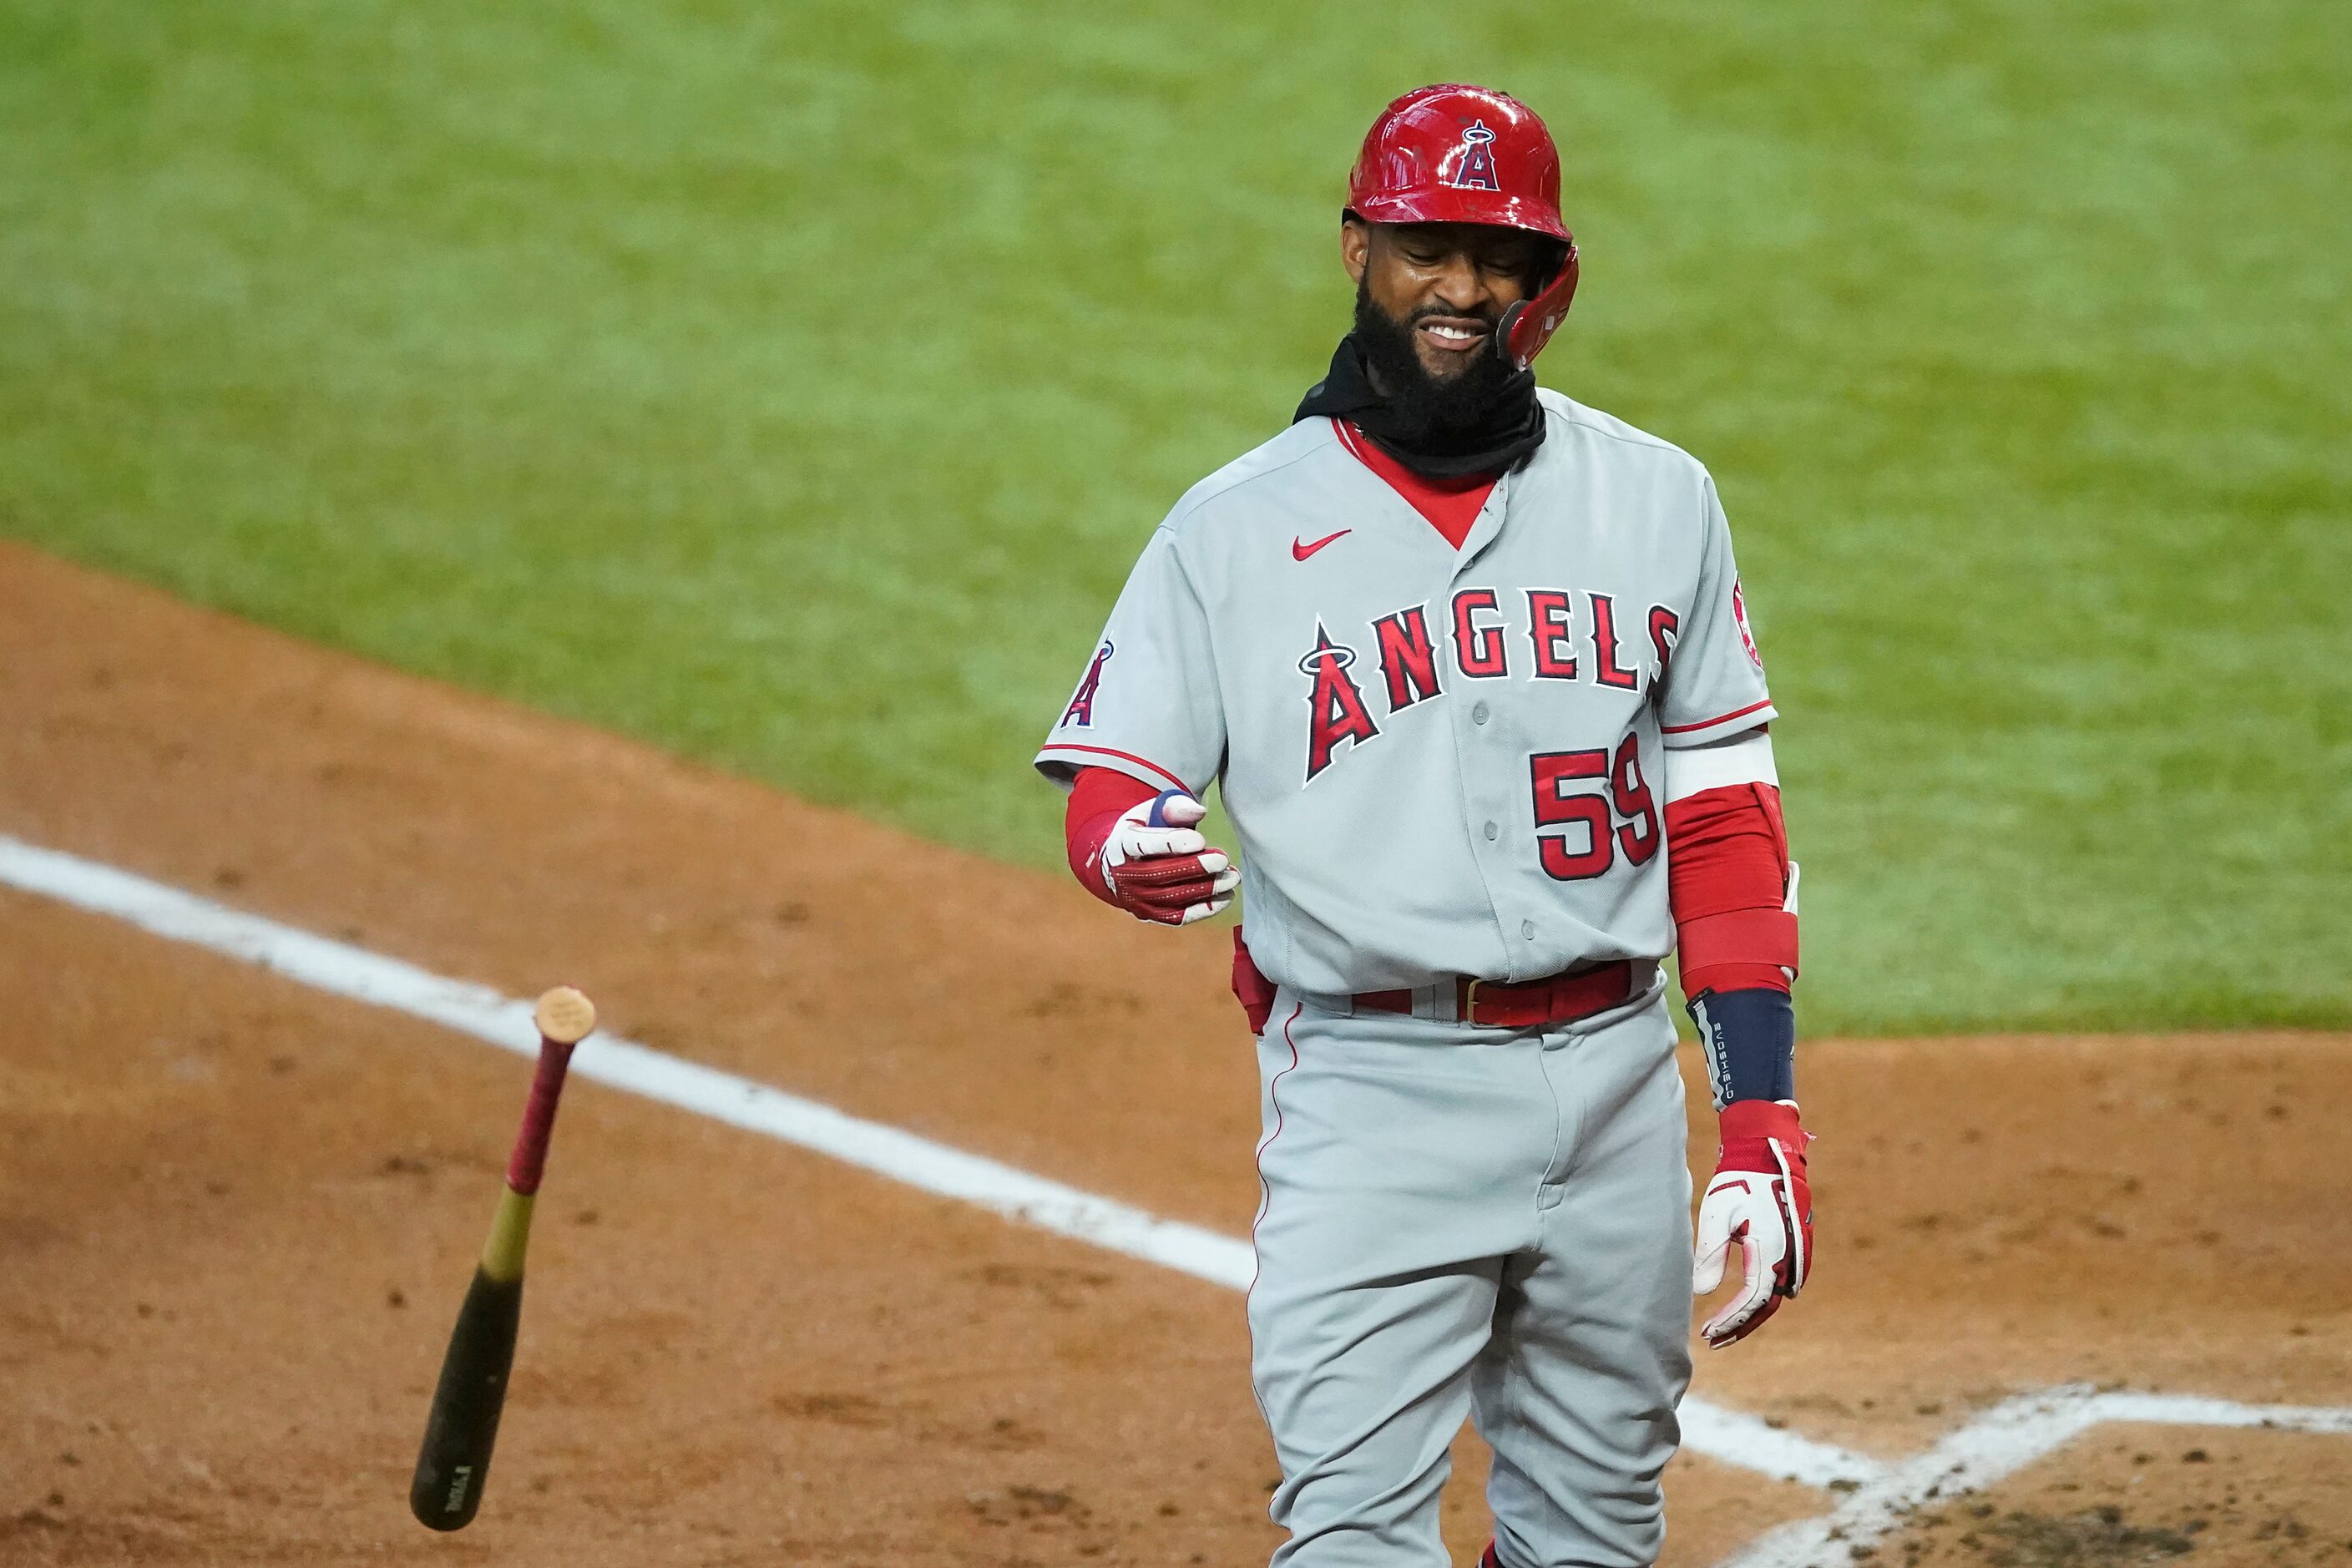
1500 432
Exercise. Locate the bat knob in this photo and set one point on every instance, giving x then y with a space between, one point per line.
565 1015
1158 816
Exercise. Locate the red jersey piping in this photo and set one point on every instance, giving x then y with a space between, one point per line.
1710 723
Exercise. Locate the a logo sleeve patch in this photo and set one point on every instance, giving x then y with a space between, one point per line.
1739 616
1080 713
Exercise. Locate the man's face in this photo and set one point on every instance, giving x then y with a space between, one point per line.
1443 286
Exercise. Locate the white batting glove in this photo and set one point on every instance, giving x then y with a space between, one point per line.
1760 1202
1158 868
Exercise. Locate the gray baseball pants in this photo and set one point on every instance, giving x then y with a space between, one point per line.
1471 1222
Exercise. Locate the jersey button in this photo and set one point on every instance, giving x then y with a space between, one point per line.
1493 831
1528 930
1478 716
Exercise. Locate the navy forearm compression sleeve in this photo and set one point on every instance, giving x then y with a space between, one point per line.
1750 1041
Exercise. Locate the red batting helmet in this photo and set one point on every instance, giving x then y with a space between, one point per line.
1469 154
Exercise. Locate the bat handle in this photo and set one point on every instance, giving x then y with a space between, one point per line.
529 1161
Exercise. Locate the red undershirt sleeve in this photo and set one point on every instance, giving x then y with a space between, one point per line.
1098 798
1727 884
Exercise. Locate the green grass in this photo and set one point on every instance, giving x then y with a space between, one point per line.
792 385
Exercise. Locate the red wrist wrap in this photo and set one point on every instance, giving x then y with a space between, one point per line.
1748 1127
1098 798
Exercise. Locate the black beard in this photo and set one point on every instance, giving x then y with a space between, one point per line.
1426 410
1486 419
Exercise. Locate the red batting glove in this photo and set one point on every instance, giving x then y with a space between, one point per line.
1154 865
1760 1202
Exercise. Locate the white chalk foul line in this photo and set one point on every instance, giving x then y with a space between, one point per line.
476 1010
1998 1444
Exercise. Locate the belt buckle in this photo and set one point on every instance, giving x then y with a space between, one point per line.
1470 1000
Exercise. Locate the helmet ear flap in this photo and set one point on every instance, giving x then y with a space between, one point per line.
1528 326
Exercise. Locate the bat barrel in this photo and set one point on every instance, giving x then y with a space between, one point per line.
455 1460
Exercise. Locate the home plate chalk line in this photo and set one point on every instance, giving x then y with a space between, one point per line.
1878 1496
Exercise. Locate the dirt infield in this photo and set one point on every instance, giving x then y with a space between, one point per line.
236 1214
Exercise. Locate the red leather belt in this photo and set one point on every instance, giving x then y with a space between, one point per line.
1489 1004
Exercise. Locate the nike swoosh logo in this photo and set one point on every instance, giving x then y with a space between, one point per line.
1300 552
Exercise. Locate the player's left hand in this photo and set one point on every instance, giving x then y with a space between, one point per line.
1156 866
1760 1202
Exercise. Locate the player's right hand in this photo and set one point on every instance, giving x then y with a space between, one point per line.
1158 868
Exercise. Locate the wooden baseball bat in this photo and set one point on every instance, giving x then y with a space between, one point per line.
454 1461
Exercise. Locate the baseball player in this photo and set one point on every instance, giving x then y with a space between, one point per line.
1472 665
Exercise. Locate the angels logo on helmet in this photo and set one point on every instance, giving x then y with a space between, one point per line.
1475 168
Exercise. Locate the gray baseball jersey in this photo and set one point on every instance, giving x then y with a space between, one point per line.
1438 762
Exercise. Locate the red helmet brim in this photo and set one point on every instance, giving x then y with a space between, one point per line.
1496 209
